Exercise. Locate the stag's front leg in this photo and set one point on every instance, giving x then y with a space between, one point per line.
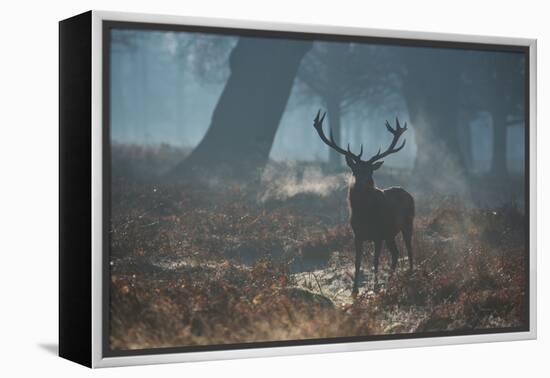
358 257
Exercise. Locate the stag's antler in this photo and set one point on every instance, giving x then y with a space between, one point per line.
318 125
397 132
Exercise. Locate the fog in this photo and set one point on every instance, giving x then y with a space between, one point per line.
464 108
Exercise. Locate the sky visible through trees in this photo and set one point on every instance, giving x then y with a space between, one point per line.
165 87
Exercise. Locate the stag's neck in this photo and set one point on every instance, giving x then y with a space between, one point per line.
362 194
363 200
362 186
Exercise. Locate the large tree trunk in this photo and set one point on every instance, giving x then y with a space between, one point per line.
250 108
499 158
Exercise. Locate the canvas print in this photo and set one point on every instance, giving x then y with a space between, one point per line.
269 188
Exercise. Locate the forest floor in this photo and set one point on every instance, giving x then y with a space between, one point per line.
220 262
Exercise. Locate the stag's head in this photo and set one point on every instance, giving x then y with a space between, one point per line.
362 169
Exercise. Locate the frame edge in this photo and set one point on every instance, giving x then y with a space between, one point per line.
97 356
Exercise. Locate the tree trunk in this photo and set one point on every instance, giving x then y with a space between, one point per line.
431 92
334 121
333 96
500 106
437 139
250 108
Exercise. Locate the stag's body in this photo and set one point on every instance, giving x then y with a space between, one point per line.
377 215
380 215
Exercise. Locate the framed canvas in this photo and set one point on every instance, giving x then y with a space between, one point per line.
235 189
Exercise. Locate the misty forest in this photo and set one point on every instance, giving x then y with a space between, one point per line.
270 189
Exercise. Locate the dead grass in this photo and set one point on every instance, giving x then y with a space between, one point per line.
217 262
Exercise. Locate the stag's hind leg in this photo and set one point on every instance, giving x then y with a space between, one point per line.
358 257
407 237
394 252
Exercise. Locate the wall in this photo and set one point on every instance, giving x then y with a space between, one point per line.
28 149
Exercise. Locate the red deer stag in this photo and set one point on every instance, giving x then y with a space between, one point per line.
376 214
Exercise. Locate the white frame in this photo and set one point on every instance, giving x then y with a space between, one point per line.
97 356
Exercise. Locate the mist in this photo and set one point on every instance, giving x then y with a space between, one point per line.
166 85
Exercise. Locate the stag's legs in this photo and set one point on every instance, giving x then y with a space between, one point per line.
407 236
358 257
394 252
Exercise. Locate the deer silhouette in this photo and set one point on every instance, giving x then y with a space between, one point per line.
377 215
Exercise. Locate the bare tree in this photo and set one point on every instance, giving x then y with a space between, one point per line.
342 74
496 81
431 86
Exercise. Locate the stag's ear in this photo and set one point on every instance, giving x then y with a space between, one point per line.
350 162
377 165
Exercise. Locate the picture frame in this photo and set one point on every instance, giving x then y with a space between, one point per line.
85 108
